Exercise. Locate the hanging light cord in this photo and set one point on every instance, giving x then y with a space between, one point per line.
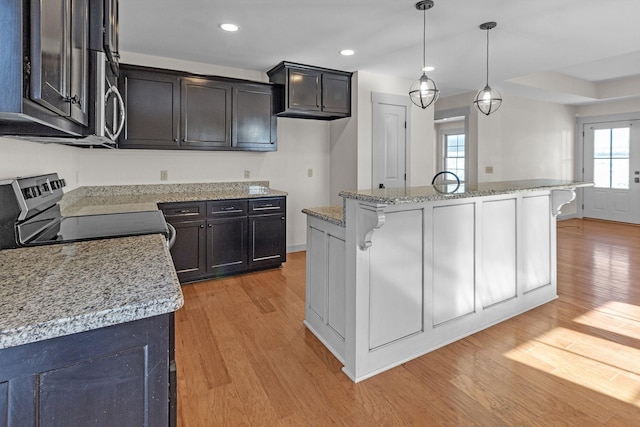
424 40
488 29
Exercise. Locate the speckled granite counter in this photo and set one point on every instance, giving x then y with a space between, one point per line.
395 196
332 214
56 290
130 198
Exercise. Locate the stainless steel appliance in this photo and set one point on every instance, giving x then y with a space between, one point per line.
30 215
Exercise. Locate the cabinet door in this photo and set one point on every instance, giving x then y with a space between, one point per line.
254 121
205 113
227 245
51 54
115 376
267 240
336 96
189 250
304 89
79 61
152 104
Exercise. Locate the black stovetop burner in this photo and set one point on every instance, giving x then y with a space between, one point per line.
30 215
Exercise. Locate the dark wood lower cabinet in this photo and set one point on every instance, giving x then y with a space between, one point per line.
113 376
189 250
222 237
267 240
227 245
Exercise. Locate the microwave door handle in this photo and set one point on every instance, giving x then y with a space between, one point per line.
114 136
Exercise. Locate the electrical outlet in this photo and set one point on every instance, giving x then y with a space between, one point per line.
309 172
164 175
247 173
488 169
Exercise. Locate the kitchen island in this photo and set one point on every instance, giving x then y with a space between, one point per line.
406 271
86 333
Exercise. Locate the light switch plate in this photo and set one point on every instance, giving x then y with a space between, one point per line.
247 173
488 169
164 175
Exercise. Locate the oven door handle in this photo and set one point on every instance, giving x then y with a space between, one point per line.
172 235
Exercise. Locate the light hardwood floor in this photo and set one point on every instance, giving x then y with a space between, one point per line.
245 358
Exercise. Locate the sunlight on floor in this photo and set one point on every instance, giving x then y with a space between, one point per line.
601 353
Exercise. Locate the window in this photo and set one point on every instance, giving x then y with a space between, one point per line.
611 158
454 153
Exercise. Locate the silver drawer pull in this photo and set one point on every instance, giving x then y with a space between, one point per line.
229 208
183 211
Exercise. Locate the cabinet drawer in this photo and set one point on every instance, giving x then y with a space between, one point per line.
180 211
267 206
227 208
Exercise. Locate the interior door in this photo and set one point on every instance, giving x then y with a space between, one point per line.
612 163
390 142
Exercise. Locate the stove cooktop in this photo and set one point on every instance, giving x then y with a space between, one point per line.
92 227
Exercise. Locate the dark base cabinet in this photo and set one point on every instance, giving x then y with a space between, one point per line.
113 376
223 237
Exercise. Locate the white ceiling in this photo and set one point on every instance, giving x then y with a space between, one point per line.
581 43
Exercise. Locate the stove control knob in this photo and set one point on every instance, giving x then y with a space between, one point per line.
26 192
63 183
54 185
36 191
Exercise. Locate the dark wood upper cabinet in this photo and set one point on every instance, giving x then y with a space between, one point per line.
152 105
174 110
311 92
205 113
254 120
59 57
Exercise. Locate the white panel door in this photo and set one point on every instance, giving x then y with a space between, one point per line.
612 163
389 144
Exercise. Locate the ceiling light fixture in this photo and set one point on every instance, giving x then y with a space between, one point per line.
488 100
229 27
347 52
424 92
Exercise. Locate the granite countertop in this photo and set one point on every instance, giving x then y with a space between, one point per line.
131 198
55 290
395 196
332 214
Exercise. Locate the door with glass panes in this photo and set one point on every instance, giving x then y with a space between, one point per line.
612 163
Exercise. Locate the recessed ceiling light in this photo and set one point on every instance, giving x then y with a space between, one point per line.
229 27
429 68
347 52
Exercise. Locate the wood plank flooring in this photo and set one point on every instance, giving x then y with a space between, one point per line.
245 358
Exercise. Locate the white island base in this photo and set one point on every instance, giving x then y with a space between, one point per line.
399 279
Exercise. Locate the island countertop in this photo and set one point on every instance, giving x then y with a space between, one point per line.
394 196
55 290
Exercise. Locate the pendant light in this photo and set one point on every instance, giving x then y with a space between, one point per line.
488 100
424 92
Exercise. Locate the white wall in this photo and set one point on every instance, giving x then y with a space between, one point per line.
524 139
302 145
351 139
607 108
24 158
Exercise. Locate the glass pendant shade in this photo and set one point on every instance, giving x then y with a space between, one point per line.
487 100
424 92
